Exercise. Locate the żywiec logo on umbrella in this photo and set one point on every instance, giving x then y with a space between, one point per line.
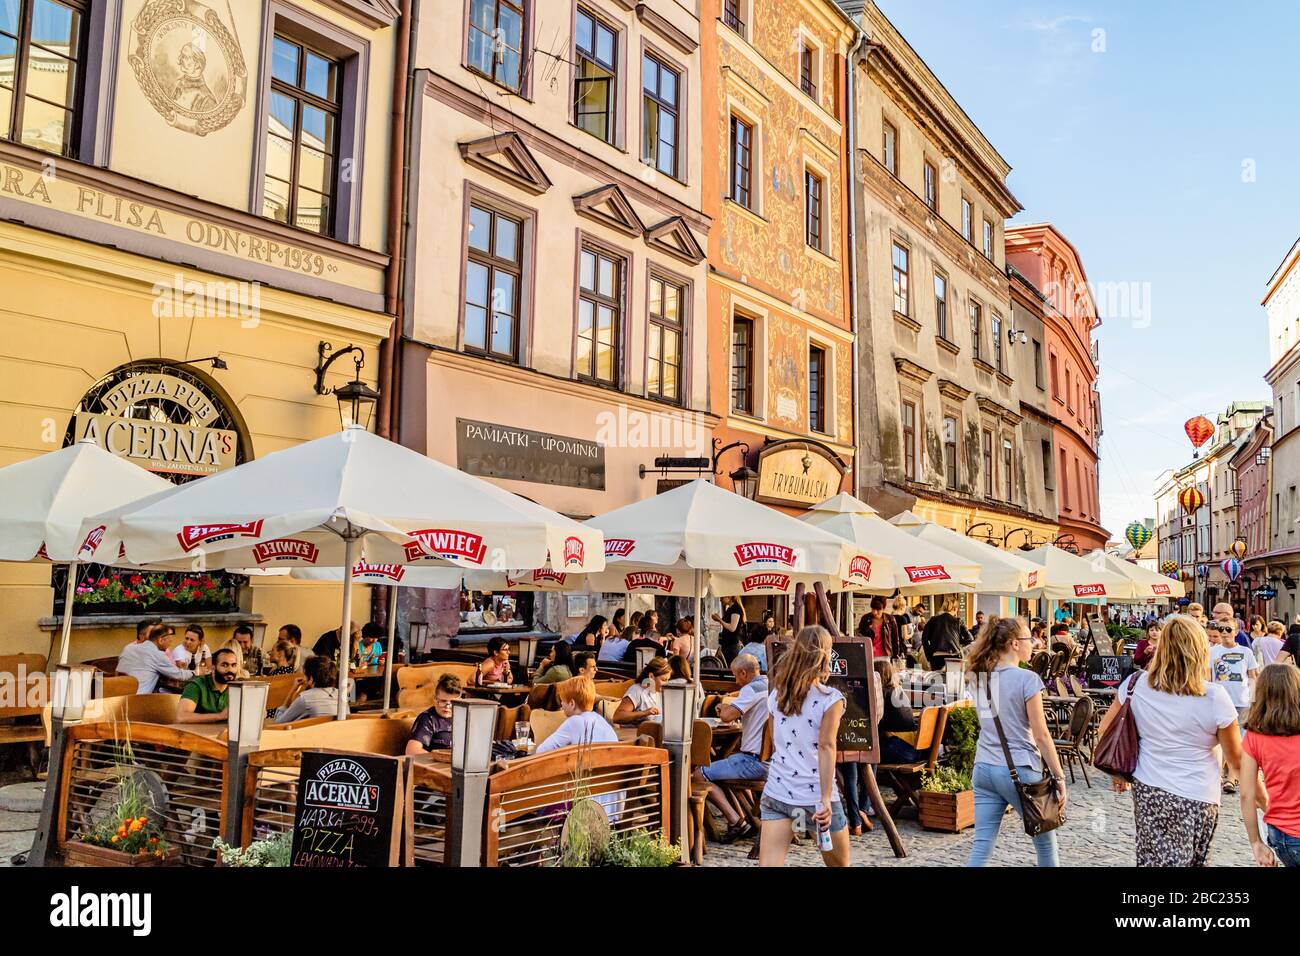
285 549
378 572
860 568
91 544
765 581
573 552
1090 590
618 547
1032 579
648 581
540 576
445 543
193 535
342 785
764 553
932 572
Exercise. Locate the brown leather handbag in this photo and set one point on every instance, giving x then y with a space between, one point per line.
1040 803
1116 752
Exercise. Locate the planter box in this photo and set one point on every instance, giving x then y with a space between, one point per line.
108 607
193 607
946 812
76 853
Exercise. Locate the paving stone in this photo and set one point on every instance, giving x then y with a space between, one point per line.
24 797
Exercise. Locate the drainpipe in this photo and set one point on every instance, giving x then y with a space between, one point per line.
852 252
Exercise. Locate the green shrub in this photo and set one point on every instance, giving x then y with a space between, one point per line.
961 739
639 848
945 780
272 851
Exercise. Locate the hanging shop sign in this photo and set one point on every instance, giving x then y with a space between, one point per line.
489 450
798 473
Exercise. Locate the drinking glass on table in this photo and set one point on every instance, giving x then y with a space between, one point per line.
523 734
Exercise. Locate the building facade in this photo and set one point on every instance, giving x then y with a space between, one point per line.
1046 259
194 203
1250 465
555 280
776 188
1282 304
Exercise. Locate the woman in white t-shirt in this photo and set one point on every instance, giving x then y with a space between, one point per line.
1182 720
801 775
643 700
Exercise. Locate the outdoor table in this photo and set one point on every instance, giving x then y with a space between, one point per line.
500 694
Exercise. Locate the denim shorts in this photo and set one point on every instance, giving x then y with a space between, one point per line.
770 809
1286 846
737 766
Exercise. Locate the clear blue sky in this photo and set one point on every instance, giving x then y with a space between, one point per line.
1136 154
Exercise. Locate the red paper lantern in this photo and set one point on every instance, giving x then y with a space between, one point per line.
1191 500
1199 430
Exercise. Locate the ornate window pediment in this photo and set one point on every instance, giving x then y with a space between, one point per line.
674 237
608 205
506 157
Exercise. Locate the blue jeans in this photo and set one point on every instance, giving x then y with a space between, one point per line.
851 773
1286 846
994 791
738 766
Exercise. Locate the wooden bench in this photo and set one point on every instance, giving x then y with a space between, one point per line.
417 683
905 778
23 683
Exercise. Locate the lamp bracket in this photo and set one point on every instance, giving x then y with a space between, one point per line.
323 363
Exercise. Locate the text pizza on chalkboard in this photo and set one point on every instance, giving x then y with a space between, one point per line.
851 675
1108 670
346 811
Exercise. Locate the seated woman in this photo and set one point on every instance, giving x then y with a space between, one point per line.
496 668
583 726
895 718
683 642
320 694
432 729
556 666
369 647
591 636
646 639
643 699
284 659
1146 648
613 648
679 667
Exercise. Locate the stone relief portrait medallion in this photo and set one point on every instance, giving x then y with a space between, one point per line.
189 64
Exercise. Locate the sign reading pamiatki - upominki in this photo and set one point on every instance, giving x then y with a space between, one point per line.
502 451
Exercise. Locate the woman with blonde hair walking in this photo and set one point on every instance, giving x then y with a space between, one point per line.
1182 720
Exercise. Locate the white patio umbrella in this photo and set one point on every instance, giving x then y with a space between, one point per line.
1072 578
324 503
1001 572
1147 583
44 499
920 567
699 537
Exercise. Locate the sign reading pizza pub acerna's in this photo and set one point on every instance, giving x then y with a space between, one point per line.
501 451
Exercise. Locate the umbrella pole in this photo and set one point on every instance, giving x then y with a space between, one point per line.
69 594
699 628
392 645
345 629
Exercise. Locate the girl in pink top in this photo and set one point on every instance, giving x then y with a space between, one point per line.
1272 745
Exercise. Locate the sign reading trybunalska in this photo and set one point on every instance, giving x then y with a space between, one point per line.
500 451
346 810
797 473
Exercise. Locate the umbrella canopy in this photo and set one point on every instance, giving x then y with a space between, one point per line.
919 567
1072 578
1148 584
1001 572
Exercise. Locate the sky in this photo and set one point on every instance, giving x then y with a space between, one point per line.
1159 138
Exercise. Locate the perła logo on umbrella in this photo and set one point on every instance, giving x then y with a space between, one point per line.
933 572
1090 590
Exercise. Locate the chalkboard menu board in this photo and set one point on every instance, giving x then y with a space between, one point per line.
851 675
346 811
1100 638
1108 670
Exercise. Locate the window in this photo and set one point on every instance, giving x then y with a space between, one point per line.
659 84
1056 386
42 50
909 440
302 137
594 82
1038 363
808 70
988 239
931 186
664 350
493 276
1047 463
816 389
1064 476
889 150
600 308
995 325
742 364
812 209
976 329
950 452
1069 390
742 139
966 220
901 297
941 304
1008 477
496 41
986 450
731 12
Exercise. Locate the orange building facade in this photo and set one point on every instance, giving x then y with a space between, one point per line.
776 190
1047 259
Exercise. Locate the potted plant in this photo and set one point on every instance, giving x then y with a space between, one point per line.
273 850
110 594
129 834
190 594
946 801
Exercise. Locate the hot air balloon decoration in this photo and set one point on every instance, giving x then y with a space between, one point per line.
1199 430
1185 576
1191 499
1232 568
1169 566
1202 571
1237 549
1138 535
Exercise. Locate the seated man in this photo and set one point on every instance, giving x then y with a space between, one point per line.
254 661
293 634
584 665
756 644
432 729
750 708
204 699
320 698
147 661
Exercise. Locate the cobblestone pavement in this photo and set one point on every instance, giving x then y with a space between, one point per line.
16 833
1098 832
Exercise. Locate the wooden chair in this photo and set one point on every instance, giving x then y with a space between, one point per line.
545 723
282 685
605 706
106 664
709 706
20 722
417 683
746 794
123 685
612 688
543 697
1070 747
507 717
701 756
905 778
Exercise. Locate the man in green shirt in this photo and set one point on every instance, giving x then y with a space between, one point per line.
203 701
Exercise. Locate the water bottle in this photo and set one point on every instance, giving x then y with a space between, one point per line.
824 838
